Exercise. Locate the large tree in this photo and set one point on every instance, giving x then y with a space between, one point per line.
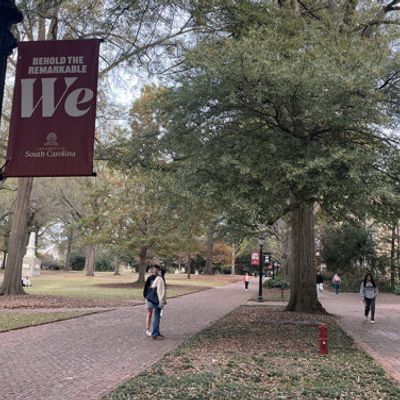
133 32
280 108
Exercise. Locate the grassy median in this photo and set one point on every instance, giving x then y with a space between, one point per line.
10 321
108 286
262 352
74 289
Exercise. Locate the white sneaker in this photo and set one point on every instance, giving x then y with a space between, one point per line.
365 318
372 321
148 333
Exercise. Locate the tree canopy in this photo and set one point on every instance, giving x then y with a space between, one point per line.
282 106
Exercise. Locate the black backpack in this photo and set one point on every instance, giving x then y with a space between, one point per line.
147 285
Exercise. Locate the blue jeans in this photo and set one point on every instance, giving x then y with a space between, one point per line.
156 321
337 288
370 305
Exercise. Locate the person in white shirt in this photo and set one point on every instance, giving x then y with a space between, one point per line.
26 282
368 293
246 280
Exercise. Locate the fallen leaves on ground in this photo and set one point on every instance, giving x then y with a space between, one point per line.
43 301
262 352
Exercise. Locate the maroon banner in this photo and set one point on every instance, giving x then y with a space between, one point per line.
255 259
54 109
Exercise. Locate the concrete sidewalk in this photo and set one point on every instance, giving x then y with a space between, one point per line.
87 357
381 340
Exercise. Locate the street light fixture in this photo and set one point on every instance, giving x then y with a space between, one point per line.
9 15
261 241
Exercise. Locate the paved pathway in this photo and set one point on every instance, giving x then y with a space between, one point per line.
87 357
381 340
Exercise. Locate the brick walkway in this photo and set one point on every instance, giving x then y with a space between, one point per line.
382 340
87 357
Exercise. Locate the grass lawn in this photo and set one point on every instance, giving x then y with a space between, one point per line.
9 321
105 285
262 352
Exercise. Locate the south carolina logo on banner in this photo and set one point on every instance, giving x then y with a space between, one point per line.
54 109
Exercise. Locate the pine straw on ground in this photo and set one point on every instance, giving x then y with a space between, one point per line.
262 352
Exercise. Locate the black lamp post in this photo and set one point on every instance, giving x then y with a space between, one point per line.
261 241
9 15
273 269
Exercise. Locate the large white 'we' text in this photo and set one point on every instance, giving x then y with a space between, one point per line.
74 101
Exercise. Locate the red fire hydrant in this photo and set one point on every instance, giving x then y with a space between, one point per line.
323 339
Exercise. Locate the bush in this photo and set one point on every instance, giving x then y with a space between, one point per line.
346 246
351 280
105 261
198 262
397 290
77 262
384 284
223 269
278 282
50 265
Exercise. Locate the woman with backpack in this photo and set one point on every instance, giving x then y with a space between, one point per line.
158 301
368 293
337 280
148 305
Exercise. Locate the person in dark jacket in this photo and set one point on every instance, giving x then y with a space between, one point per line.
368 293
149 307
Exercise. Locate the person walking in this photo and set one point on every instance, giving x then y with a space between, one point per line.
368 293
159 285
337 280
320 283
246 280
148 305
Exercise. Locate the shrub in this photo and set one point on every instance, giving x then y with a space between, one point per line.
346 246
278 282
50 265
223 269
105 261
351 280
77 262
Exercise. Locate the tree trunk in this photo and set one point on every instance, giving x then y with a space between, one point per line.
397 248
142 265
116 269
90 261
67 263
287 268
210 247
303 294
392 258
12 284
